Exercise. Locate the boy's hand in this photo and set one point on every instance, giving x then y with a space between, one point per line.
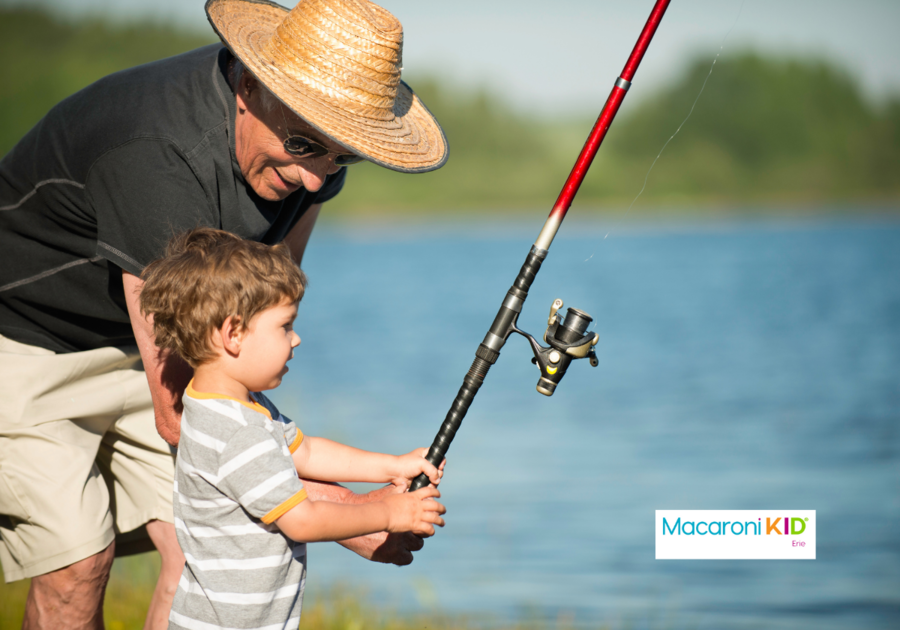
415 512
411 465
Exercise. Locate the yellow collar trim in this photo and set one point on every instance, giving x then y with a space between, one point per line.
255 406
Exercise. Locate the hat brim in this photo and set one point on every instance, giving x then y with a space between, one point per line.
412 142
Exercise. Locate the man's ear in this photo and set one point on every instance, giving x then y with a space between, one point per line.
247 89
231 334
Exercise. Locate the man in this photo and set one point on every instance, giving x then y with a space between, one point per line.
251 138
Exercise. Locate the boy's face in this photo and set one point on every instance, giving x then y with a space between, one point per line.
267 345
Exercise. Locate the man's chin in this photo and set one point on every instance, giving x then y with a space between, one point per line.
270 193
274 188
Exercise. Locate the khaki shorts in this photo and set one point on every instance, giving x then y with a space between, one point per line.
81 463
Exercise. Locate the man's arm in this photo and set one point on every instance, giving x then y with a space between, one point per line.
167 374
298 237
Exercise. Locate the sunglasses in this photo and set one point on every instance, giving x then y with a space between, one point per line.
301 147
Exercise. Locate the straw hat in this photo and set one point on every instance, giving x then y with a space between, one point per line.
336 64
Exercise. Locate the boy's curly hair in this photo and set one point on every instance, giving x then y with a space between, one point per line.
208 275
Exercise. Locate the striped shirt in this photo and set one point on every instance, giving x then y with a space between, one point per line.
234 477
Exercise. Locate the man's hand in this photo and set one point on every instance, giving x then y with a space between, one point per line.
381 547
388 549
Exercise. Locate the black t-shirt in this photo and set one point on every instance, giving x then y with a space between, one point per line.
103 182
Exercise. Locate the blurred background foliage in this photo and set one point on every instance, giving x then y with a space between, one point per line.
337 607
765 132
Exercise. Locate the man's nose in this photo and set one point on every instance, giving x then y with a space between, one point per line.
314 170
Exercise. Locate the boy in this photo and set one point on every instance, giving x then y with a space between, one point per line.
227 306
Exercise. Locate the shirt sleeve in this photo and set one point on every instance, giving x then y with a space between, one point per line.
292 435
142 194
255 472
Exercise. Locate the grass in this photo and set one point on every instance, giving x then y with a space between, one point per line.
337 608
127 595
12 604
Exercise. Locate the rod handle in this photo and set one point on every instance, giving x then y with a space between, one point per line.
464 397
421 481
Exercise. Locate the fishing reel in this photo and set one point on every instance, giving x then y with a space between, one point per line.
568 341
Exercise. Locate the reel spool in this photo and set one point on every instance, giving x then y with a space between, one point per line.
568 341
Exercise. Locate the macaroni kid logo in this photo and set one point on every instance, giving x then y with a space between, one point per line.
735 535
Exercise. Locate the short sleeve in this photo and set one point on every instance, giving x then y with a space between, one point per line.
292 435
255 472
142 194
332 186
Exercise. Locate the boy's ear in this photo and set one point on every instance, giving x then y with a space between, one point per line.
232 334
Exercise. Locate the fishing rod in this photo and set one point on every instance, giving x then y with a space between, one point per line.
566 337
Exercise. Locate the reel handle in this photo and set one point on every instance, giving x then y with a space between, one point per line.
569 341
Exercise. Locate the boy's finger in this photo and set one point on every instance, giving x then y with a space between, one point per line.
423 529
433 474
433 518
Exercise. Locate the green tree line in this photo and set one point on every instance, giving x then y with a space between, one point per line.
765 130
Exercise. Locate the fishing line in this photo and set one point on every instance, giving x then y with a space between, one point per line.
672 137
566 333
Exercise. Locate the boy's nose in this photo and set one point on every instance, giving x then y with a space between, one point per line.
295 341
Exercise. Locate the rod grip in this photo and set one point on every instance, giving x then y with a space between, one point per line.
471 384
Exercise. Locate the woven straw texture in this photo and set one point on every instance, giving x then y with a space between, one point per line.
336 64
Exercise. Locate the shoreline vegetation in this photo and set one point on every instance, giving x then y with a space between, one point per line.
766 133
333 608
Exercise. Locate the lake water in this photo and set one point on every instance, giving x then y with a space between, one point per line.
743 365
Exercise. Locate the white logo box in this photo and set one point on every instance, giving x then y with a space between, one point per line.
735 534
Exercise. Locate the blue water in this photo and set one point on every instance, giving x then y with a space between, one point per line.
743 365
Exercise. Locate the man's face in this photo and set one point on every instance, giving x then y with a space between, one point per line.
259 144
